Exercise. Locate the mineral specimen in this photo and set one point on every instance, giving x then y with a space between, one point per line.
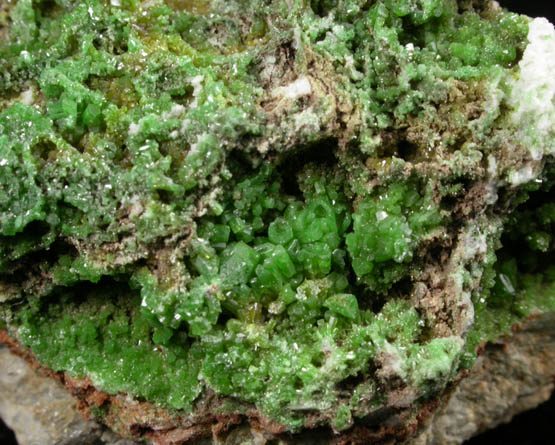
296 214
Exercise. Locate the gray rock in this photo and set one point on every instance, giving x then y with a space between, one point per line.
41 412
512 376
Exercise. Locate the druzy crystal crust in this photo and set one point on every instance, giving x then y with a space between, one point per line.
306 212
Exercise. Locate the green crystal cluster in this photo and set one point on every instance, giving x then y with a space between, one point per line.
248 197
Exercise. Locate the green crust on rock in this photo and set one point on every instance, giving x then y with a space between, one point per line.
310 208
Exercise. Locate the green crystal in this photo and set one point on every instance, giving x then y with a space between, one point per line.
269 200
343 304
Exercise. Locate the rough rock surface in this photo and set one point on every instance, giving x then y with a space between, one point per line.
303 216
41 412
512 375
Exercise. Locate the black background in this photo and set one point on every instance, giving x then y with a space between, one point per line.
533 8
531 428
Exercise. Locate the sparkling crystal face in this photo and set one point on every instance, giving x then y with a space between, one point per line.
294 205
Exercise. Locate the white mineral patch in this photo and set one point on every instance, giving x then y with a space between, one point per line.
522 176
491 186
27 97
299 88
475 243
492 166
176 111
134 129
196 82
533 94
264 147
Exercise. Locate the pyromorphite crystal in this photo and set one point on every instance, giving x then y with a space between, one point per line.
296 213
